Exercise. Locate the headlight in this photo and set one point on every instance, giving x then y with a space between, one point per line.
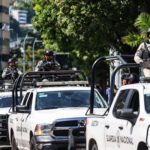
43 129
82 123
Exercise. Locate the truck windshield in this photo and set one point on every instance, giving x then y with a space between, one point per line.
5 102
147 102
60 99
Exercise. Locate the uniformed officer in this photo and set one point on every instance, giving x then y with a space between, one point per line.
129 78
48 63
11 72
125 78
142 55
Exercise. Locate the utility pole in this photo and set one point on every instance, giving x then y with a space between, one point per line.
33 52
27 37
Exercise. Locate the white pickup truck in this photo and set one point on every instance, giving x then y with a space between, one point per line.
126 123
5 104
47 114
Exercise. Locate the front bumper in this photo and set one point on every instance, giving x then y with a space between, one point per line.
72 141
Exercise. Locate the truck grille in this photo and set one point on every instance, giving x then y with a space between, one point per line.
69 123
62 126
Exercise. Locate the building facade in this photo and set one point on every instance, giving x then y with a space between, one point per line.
4 33
19 15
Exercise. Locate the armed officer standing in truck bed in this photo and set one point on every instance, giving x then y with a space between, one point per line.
11 72
48 63
142 55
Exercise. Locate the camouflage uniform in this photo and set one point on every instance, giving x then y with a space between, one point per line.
142 56
11 73
44 65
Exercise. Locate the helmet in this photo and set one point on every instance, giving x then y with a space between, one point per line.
148 32
11 60
49 53
134 78
131 77
125 76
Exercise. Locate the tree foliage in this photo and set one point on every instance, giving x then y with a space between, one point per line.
87 29
86 25
142 23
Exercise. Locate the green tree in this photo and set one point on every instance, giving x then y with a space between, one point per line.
86 29
142 23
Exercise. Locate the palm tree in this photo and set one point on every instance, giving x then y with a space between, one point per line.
142 23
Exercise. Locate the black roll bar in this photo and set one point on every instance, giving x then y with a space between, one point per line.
15 92
28 79
98 61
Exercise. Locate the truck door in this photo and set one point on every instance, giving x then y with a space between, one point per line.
18 123
112 123
25 136
124 125
129 126
17 127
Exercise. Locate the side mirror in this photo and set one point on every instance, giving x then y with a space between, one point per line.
127 114
22 109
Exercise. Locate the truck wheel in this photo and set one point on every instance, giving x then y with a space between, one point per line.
93 146
32 144
142 146
13 143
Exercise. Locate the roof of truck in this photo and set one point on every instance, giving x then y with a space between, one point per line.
144 86
60 88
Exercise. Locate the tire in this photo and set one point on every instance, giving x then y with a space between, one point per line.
13 143
93 146
32 144
142 147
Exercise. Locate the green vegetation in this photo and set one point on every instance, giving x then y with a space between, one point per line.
86 29
142 23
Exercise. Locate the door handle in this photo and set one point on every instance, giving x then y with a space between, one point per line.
120 127
107 126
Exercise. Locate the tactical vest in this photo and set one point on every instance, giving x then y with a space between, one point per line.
146 53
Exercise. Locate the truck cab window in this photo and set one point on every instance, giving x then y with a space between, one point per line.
128 99
29 103
121 101
147 102
134 101
25 98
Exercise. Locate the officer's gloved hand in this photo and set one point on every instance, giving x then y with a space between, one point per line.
48 64
7 71
145 64
14 75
